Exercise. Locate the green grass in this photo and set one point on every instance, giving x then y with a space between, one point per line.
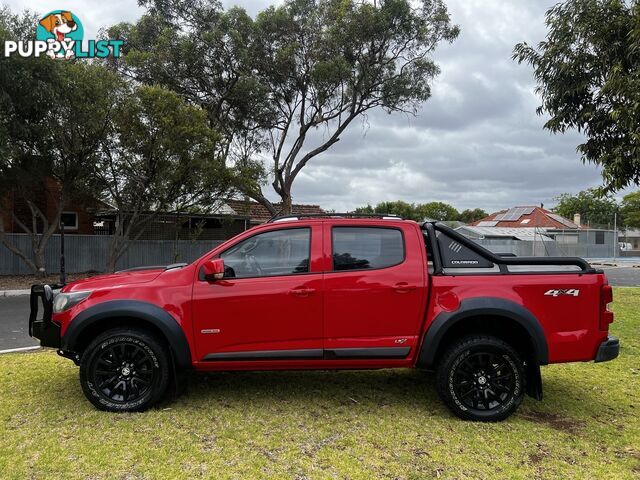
360 425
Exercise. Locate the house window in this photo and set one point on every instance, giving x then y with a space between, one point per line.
599 238
566 239
70 220
525 221
199 222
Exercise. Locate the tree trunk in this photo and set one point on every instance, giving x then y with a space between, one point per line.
115 248
287 205
16 251
114 254
39 241
40 263
125 234
262 200
111 263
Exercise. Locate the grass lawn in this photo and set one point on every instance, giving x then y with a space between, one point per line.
360 425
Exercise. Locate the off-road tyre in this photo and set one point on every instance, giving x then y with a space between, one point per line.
125 370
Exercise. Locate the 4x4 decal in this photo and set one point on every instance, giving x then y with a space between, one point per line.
562 291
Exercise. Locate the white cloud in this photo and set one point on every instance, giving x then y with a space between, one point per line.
93 14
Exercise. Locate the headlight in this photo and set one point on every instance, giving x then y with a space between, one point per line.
64 301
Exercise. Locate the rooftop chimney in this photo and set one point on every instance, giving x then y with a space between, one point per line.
576 218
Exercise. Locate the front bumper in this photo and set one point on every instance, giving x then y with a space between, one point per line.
608 349
44 329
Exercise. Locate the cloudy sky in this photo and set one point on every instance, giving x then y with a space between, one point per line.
476 143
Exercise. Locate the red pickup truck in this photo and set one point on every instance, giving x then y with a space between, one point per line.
334 292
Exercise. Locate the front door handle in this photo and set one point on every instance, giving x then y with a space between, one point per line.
403 287
302 291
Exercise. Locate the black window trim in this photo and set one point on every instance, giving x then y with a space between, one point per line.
383 227
297 227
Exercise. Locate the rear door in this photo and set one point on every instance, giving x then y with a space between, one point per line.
374 289
269 305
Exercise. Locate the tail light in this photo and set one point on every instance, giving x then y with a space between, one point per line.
606 315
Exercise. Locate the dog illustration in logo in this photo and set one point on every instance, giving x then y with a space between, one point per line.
59 25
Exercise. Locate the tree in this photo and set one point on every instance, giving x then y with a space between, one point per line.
284 87
400 208
54 115
411 211
594 209
469 216
159 157
587 72
437 211
630 209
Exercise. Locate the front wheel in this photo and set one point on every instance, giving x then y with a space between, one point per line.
125 370
481 378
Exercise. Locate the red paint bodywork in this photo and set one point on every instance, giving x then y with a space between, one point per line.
350 309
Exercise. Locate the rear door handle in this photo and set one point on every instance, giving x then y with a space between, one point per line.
403 287
302 291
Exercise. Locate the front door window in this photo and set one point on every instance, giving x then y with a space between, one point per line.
275 253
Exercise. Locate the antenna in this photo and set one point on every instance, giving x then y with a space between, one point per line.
277 215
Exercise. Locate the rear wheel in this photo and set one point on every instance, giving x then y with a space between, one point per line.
481 378
125 370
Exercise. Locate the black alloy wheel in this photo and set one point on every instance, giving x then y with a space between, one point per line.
481 378
483 381
124 372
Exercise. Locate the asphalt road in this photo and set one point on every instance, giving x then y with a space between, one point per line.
623 276
14 311
14 328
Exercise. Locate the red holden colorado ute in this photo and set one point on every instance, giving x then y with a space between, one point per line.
334 292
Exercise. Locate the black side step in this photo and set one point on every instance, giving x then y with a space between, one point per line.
311 354
366 353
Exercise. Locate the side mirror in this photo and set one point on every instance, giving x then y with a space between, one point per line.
213 269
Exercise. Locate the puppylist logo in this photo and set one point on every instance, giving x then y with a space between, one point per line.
59 34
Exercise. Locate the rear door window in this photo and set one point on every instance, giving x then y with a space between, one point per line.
361 248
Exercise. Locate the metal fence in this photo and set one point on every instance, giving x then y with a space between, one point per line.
86 253
548 248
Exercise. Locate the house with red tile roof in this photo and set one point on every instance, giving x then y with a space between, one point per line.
532 230
229 218
258 213
527 217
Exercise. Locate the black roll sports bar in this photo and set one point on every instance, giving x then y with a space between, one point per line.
432 227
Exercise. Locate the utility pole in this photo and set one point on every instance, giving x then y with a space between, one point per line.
615 235
63 275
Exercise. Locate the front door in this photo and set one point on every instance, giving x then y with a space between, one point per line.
269 304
